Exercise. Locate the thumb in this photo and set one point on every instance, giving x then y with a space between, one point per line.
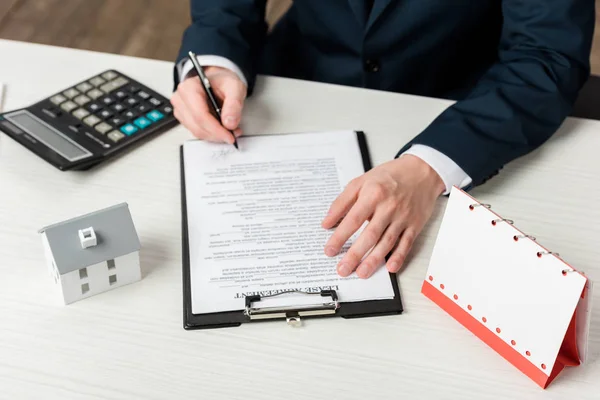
233 103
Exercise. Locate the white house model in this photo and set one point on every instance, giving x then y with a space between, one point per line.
93 253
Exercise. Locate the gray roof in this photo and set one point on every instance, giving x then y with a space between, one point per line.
115 234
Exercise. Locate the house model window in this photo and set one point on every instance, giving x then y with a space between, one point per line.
87 237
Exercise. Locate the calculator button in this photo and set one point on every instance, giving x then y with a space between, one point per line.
115 136
51 112
155 115
94 107
142 108
167 110
107 88
133 89
97 81
129 129
75 128
95 93
119 108
155 102
81 113
118 121
130 114
68 106
121 94
107 101
109 75
92 120
82 100
58 99
103 127
119 82
142 122
131 102
114 85
84 87
143 95
106 114
70 93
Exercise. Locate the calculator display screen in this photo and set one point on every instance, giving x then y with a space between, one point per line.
47 135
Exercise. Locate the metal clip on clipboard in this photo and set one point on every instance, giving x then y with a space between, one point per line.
292 314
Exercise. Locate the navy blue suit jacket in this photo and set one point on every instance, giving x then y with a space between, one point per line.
515 66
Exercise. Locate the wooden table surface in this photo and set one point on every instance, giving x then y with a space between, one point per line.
129 343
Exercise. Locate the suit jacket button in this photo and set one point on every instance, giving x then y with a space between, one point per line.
372 65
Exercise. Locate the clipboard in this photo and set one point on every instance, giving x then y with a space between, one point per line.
250 310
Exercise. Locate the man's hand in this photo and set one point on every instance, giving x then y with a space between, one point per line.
397 198
192 110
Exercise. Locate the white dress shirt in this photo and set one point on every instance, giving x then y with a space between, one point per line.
450 173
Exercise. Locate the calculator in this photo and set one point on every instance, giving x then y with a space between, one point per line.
91 121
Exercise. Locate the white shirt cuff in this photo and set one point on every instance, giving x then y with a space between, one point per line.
448 170
185 66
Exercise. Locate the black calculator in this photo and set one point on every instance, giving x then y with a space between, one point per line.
90 122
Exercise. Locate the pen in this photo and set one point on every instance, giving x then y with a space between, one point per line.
209 93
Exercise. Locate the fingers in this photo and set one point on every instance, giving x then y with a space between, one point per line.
367 240
182 114
191 118
234 93
191 109
377 256
195 108
398 256
341 205
352 222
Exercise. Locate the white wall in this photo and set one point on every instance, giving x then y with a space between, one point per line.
52 270
49 257
127 269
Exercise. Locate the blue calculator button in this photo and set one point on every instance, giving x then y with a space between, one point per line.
129 129
142 122
155 115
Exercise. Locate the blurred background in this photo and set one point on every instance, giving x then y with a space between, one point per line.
142 28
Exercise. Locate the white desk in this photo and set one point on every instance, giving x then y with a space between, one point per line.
129 343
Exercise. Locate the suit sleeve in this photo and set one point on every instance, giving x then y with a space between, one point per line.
543 61
233 29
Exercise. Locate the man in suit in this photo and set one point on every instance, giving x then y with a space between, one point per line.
514 66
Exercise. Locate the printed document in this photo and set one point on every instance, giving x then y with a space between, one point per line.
254 220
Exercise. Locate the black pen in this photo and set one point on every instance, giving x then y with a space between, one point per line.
209 93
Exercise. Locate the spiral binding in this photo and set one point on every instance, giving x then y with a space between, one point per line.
540 254
508 221
472 206
516 238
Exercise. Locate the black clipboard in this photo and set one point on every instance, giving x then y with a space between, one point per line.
369 308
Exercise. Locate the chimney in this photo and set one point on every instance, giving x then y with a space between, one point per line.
87 237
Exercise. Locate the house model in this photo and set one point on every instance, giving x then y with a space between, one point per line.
93 253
